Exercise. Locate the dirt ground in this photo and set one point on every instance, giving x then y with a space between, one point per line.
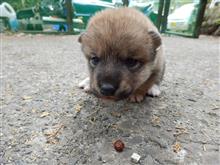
46 119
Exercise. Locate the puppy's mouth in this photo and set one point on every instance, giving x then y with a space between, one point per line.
116 97
124 94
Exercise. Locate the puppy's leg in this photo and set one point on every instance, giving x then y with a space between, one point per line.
140 93
154 91
150 86
85 84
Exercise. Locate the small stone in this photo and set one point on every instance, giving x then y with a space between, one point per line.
135 158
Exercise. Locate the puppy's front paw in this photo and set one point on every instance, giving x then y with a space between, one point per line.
85 84
154 91
136 98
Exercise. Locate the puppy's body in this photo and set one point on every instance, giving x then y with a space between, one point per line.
124 52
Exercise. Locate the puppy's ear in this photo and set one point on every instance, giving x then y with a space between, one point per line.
156 39
81 36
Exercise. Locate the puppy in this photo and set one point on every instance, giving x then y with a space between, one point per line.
124 53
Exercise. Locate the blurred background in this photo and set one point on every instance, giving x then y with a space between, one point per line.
179 17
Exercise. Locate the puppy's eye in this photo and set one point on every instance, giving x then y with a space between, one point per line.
94 61
132 63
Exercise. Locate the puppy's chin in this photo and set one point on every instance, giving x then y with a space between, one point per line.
118 96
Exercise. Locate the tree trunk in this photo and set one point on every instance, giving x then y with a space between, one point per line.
69 18
125 2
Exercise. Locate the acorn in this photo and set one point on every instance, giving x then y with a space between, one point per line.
119 145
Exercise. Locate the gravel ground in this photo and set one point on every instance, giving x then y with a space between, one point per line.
46 119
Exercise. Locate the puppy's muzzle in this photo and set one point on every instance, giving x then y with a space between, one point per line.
107 89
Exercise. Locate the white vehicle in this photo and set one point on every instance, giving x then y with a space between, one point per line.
7 11
214 3
182 18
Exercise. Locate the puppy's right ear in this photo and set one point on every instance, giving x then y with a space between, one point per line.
81 36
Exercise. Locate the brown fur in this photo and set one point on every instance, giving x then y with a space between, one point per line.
124 33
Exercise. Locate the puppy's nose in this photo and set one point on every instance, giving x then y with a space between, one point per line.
107 89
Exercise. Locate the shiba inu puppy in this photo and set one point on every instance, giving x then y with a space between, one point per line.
124 53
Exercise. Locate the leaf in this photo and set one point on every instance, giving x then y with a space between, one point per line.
26 98
44 114
78 108
177 147
155 120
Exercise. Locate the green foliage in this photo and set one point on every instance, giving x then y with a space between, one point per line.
211 21
21 4
212 16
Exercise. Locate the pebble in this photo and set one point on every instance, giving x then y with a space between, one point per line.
135 158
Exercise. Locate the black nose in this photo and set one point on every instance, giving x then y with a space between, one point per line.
107 89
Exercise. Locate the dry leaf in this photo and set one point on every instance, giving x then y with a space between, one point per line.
177 147
52 136
116 114
78 108
44 114
180 130
215 107
114 126
26 97
34 110
54 133
204 148
52 141
155 120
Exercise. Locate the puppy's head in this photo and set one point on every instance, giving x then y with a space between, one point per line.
120 50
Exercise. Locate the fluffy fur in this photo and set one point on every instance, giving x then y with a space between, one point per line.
117 38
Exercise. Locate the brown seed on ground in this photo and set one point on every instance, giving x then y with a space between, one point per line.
118 145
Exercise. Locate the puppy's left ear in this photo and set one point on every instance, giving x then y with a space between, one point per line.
81 36
156 39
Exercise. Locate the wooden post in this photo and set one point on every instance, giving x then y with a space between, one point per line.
165 16
159 14
199 19
69 18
